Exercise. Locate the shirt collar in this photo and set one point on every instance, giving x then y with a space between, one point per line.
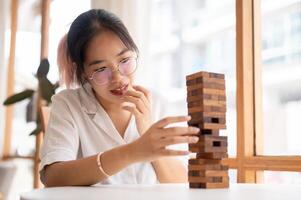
97 113
87 99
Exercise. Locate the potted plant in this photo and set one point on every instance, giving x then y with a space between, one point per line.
39 97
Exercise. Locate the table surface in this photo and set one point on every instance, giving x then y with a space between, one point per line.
168 192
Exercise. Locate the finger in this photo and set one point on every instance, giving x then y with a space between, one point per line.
138 94
169 152
178 140
146 92
138 102
132 109
168 120
175 131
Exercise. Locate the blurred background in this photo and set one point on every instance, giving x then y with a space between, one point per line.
175 38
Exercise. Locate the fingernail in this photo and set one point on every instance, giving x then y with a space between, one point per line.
195 139
195 129
188 117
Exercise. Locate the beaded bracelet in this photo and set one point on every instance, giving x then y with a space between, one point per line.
99 165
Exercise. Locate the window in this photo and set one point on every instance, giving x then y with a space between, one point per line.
281 75
190 36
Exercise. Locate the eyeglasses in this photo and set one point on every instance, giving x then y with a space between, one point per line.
104 75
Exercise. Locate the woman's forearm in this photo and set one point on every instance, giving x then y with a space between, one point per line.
85 171
170 170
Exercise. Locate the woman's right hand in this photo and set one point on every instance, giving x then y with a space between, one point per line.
152 145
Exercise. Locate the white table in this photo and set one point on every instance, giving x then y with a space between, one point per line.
167 192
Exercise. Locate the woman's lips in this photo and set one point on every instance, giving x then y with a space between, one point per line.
120 91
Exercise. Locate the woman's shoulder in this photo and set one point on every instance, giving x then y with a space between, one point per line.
66 95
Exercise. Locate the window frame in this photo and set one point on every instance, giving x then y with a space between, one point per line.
249 161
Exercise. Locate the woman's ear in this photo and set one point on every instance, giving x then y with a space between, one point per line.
85 77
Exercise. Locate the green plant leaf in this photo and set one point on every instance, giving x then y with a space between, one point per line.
31 109
18 97
37 130
43 68
46 89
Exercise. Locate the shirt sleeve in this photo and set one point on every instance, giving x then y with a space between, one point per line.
61 141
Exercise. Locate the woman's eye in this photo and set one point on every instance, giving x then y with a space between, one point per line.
125 60
100 69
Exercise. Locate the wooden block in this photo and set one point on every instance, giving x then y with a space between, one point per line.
199 80
198 115
213 139
203 122
208 143
200 91
205 102
205 75
221 109
214 91
209 173
216 75
195 149
200 161
207 126
214 114
206 97
196 75
214 132
212 126
212 155
200 179
207 117
203 167
212 85
203 149
209 185
204 119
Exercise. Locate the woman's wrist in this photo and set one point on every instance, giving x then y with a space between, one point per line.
114 160
131 153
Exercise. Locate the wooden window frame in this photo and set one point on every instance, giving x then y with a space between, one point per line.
250 161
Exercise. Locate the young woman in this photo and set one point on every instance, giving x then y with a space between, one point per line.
103 131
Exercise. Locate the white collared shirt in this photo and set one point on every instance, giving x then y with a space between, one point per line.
80 127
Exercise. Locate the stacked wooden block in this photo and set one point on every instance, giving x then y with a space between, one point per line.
206 101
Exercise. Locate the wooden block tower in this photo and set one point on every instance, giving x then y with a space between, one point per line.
206 100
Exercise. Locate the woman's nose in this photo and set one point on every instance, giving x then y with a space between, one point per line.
116 76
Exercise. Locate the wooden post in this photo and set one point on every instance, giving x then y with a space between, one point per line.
245 87
10 79
45 8
258 112
45 28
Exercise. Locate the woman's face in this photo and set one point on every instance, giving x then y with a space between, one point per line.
105 54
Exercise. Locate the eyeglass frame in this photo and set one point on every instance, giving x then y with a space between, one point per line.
131 57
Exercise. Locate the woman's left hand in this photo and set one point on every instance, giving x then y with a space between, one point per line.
140 99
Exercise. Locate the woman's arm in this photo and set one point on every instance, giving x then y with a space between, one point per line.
149 147
85 171
170 170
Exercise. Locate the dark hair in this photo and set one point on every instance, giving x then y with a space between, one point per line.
82 30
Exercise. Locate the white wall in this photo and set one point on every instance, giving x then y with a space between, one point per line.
4 24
